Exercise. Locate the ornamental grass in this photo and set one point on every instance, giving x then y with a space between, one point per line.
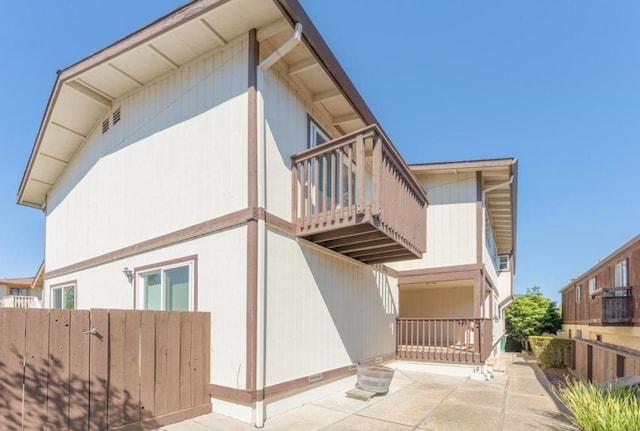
610 407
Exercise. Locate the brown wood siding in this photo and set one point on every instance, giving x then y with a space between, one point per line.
607 362
589 309
142 367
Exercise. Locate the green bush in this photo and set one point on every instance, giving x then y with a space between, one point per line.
551 352
593 408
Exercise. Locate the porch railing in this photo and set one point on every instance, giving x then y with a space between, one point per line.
449 340
354 179
15 301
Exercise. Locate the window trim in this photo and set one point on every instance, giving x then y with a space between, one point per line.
55 286
595 284
621 263
311 125
506 267
578 293
139 271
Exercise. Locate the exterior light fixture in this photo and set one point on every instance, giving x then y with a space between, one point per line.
128 273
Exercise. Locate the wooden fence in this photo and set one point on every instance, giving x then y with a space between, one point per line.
599 363
102 369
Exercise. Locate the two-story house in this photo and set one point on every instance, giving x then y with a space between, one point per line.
22 292
221 160
601 312
452 300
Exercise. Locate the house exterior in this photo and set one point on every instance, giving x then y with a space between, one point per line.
600 311
22 292
455 296
221 160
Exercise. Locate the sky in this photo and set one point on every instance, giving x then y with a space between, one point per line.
554 83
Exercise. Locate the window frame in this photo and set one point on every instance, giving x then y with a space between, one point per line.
578 293
623 274
62 286
502 268
593 286
139 287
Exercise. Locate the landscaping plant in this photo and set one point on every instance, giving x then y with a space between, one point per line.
601 408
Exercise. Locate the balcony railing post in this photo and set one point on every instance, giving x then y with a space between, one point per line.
360 174
377 172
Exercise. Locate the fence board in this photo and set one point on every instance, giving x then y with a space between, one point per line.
185 360
173 363
136 368
79 369
147 361
132 334
99 370
162 329
116 368
37 368
198 387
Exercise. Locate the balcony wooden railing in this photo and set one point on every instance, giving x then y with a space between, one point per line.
612 306
452 340
15 301
356 195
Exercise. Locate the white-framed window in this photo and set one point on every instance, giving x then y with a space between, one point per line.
503 262
578 293
64 296
316 135
593 285
621 274
166 288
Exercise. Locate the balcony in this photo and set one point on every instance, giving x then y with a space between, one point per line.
15 301
615 308
457 341
355 195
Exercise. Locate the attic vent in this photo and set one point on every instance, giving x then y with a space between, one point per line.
105 126
116 116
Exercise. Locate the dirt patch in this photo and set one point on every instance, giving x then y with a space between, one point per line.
556 376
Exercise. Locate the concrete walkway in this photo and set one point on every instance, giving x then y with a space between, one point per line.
519 400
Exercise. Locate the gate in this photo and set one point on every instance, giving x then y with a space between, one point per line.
102 369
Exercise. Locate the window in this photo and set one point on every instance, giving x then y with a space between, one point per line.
167 288
17 291
489 239
333 174
621 275
599 338
592 285
503 262
64 297
579 333
578 293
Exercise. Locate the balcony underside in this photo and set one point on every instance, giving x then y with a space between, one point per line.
360 237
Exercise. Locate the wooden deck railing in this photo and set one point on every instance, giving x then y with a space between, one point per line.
617 310
14 301
444 340
355 179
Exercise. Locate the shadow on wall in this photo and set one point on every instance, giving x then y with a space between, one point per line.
45 394
360 301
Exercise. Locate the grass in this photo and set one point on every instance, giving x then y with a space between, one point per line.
596 408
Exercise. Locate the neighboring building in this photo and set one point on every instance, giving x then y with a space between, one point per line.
603 304
454 297
221 160
22 292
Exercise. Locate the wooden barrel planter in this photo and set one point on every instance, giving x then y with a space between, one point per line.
374 378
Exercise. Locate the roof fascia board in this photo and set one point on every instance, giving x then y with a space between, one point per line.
467 165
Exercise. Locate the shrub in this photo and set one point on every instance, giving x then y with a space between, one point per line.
551 352
607 408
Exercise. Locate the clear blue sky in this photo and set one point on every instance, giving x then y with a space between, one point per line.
554 83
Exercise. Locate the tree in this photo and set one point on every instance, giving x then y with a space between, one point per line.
531 313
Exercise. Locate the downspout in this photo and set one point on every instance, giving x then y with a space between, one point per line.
498 186
263 67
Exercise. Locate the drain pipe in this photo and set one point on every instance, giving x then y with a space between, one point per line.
263 67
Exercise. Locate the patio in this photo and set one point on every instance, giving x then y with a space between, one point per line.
516 400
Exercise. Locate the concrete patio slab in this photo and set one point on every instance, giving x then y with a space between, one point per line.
518 400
